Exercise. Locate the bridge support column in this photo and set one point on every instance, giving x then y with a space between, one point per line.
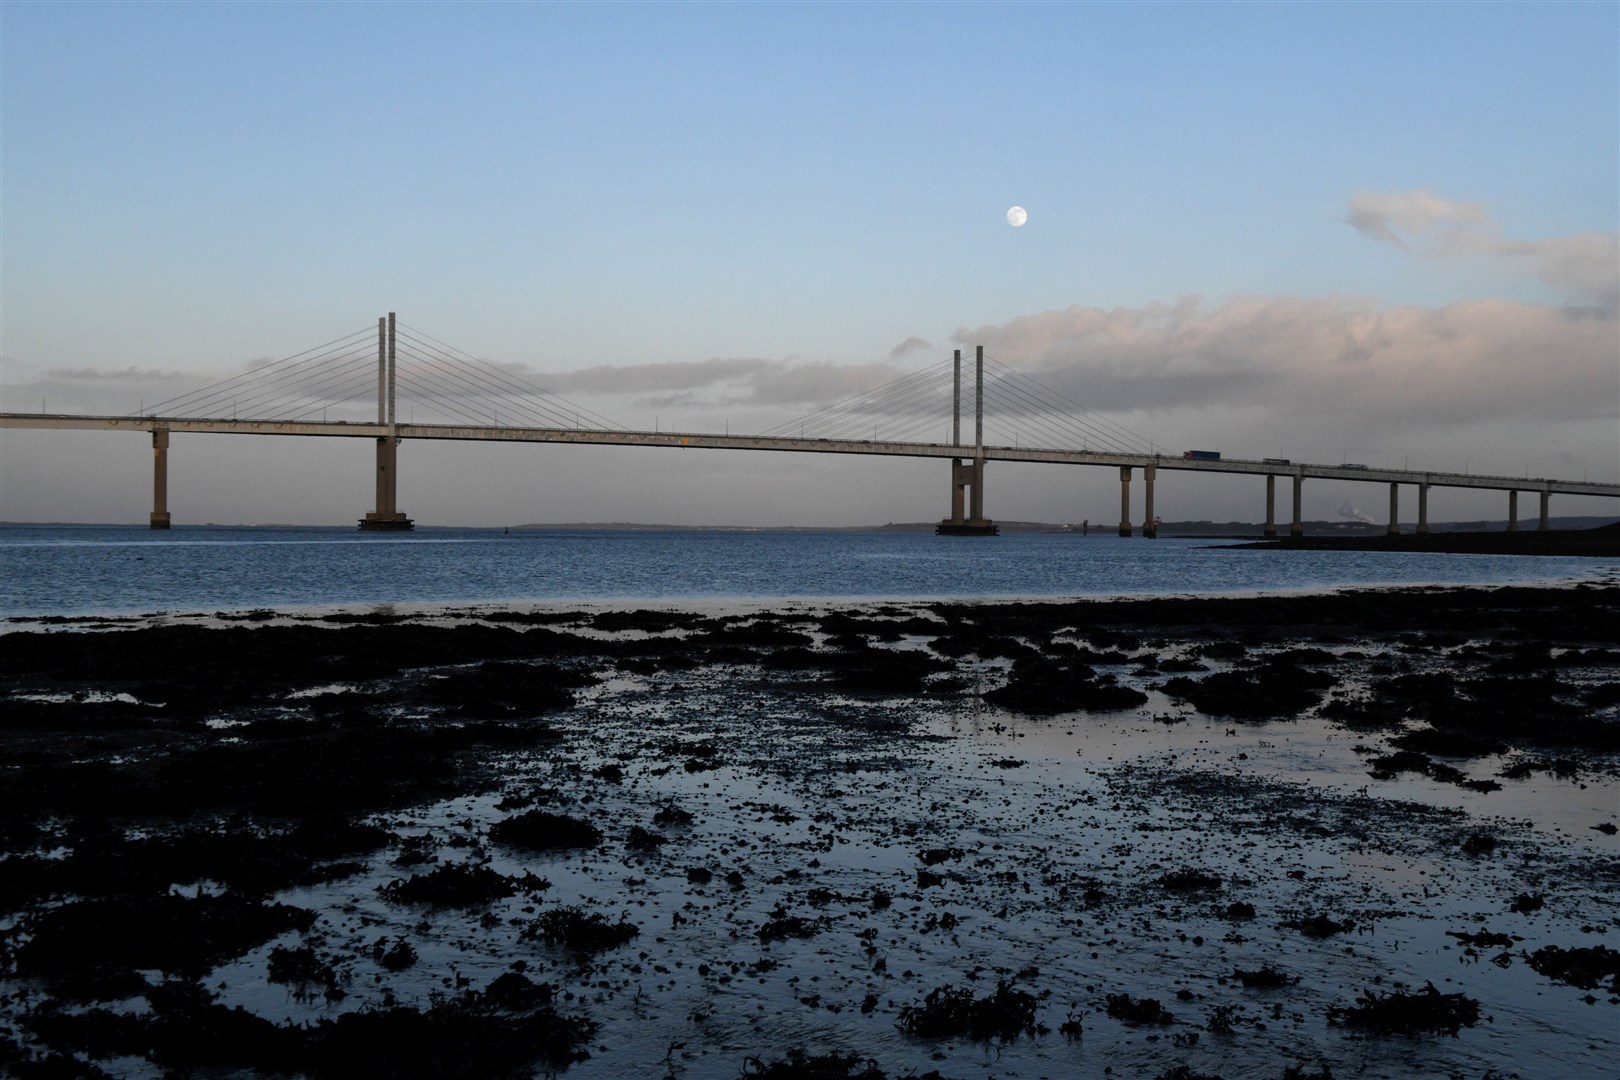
1423 509
1394 510
1150 526
1271 507
967 475
1546 500
160 478
386 518
1513 511
1298 526
1124 500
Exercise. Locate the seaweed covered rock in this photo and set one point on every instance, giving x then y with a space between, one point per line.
951 1013
1400 1013
1043 686
541 830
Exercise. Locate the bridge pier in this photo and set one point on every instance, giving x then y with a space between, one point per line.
160 478
1150 527
386 518
1546 500
1271 507
971 474
1124 500
1513 511
1298 526
1423 509
973 523
1394 510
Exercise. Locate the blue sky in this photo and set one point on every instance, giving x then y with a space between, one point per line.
189 187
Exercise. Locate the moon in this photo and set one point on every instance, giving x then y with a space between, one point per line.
1017 216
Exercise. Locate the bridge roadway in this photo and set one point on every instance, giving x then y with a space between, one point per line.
1150 463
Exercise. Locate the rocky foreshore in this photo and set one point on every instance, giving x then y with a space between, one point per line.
1171 838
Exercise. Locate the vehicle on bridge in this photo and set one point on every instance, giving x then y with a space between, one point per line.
1202 455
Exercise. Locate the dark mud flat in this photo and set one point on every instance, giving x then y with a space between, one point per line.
1367 834
1602 542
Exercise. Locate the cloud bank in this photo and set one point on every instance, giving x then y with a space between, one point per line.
1584 267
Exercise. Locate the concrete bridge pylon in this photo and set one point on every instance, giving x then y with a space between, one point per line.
387 517
969 475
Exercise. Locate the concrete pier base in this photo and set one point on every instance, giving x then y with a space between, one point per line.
1297 528
395 523
1513 511
387 517
1394 510
160 478
1271 508
1423 510
1150 527
1546 500
1124 500
965 476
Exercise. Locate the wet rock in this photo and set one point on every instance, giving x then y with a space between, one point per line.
1402 1013
1185 1072
641 840
303 969
582 934
1448 742
1587 968
459 885
1298 1072
396 957
167 933
1319 926
671 815
1272 691
935 856
1525 903
1266 977
791 926
1188 880
799 1065
541 830
1138 1011
1562 767
951 1013
1042 686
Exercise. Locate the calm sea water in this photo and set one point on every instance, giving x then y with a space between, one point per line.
132 570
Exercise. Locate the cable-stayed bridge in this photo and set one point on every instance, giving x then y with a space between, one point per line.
353 387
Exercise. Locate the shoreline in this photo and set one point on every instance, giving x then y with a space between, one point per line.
473 610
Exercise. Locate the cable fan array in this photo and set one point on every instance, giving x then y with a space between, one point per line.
298 387
441 381
448 385
898 411
1018 411
441 378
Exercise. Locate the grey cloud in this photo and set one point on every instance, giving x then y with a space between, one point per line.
1382 368
640 378
1584 267
723 381
1384 216
910 345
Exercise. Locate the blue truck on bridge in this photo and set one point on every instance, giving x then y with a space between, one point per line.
1202 455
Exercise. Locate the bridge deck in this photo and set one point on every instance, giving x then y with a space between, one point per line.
700 440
